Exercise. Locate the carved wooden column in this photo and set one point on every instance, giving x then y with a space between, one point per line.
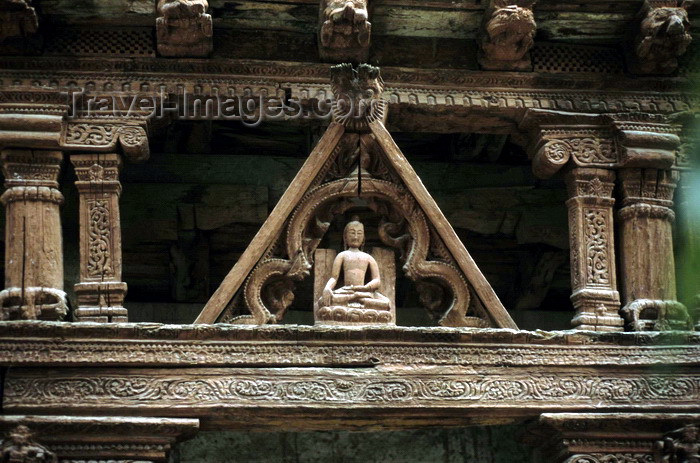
100 291
591 236
582 146
33 236
615 437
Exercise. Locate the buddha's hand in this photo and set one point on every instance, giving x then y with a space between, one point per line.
326 297
358 288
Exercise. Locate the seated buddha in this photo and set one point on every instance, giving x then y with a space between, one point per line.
354 263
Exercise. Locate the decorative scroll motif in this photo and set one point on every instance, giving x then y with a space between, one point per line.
679 446
657 315
245 388
99 262
508 35
183 28
596 233
20 447
664 35
18 19
611 458
358 95
133 139
345 30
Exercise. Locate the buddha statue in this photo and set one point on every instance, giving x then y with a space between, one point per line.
355 294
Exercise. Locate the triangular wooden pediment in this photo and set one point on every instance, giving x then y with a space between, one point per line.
357 159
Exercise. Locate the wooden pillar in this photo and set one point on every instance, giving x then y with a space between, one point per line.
591 237
100 292
646 235
33 236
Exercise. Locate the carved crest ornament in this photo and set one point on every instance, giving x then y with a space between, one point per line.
356 169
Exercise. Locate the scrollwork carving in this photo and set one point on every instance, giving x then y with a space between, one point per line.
596 236
99 261
610 458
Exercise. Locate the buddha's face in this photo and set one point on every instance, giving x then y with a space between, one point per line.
354 235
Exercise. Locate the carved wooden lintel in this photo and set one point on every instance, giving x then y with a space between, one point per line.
100 291
648 270
662 36
90 439
183 28
20 24
344 31
507 34
33 237
615 438
106 136
591 231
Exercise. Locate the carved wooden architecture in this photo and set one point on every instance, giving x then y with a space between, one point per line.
596 96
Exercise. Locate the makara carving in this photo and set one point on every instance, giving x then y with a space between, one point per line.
184 28
508 34
33 241
20 447
664 35
100 291
357 169
679 446
345 31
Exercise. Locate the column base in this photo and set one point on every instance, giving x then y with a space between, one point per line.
33 303
657 315
101 302
597 310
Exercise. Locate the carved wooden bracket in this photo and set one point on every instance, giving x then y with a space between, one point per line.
20 24
85 439
107 137
507 34
100 292
34 246
357 96
183 28
344 31
662 35
615 438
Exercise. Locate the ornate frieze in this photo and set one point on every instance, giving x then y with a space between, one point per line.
33 238
344 31
508 34
183 28
100 291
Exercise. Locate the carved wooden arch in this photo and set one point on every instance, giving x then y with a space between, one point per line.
417 266
263 278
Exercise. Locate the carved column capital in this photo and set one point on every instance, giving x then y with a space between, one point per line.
106 137
614 437
100 291
33 241
344 31
184 29
507 35
660 36
646 144
90 439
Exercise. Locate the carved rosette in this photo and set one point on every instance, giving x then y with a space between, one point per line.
100 291
663 36
344 31
33 238
184 29
508 34
591 229
649 283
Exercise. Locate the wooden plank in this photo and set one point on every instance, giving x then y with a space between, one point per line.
273 225
437 218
